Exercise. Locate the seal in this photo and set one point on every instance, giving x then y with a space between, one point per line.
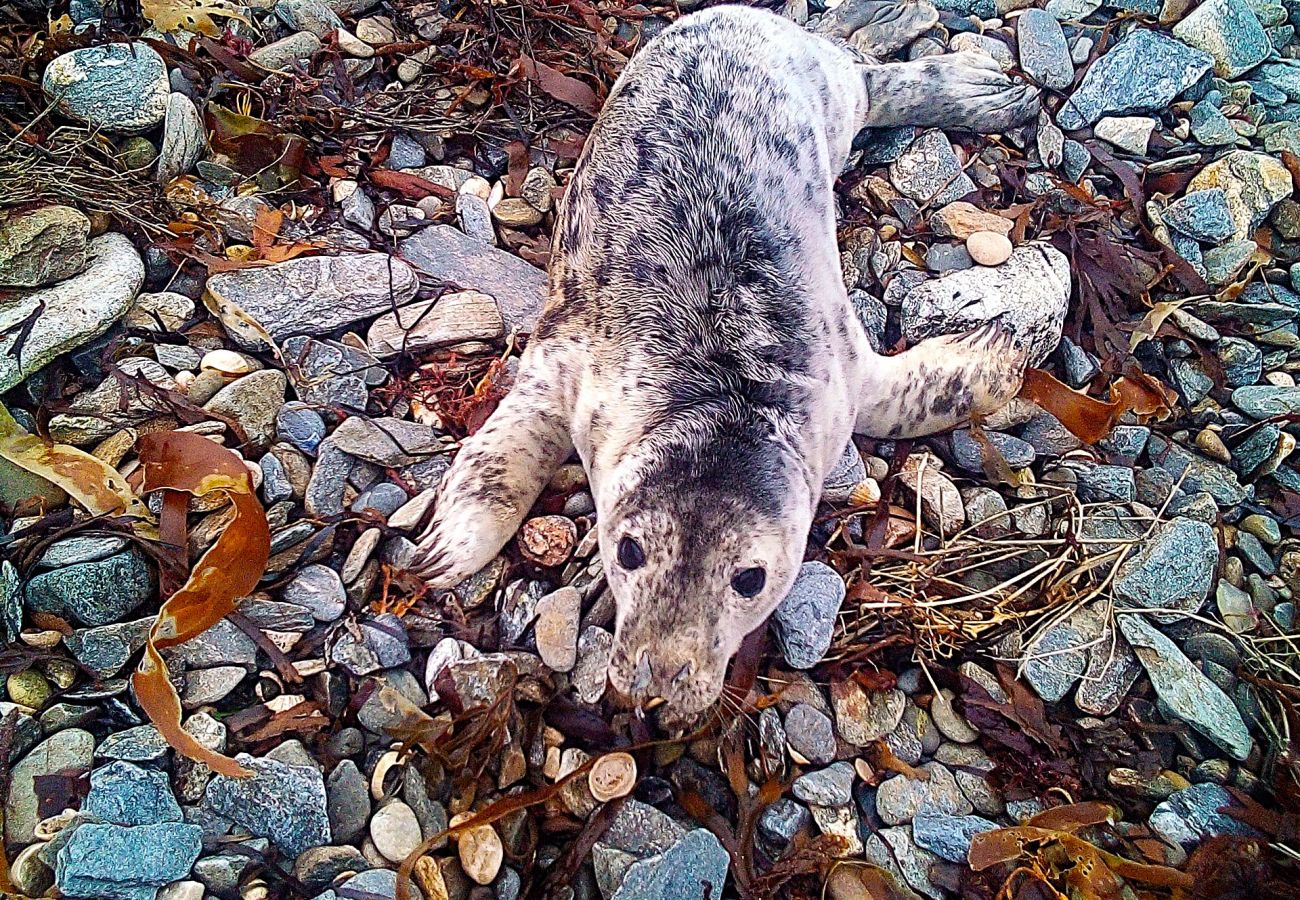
698 348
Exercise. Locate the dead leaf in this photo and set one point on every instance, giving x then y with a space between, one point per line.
409 185
90 481
231 568
1152 321
190 15
562 87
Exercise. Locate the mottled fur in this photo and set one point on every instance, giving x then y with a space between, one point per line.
699 350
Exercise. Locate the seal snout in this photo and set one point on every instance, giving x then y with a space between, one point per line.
652 676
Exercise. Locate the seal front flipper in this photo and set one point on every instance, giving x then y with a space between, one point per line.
878 28
940 383
960 90
494 480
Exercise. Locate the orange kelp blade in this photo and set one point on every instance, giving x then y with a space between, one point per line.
231 568
1087 418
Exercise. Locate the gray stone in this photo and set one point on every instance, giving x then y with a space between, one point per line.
1102 484
1048 436
446 255
42 247
142 744
386 441
831 786
284 803
71 749
286 51
93 593
1055 661
314 16
1043 53
300 425
1223 264
1229 32
315 295
1202 215
348 802
810 733
694 867
1210 126
642 830
383 645
969 455
805 620
117 87
894 850
125 794
1184 691
112 862
1266 401
1028 293
1192 815
183 138
106 649
781 821
1142 73
70 313
1201 474
929 172
1253 183
1129 133
1172 571
900 799
1243 362
253 402
948 837
221 645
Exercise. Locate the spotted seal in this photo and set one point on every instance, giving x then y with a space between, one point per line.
698 348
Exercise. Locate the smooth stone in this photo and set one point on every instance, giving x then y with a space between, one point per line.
1172 571
831 786
988 248
119 87
780 822
556 630
948 837
960 220
1130 133
1028 293
386 441
862 716
183 138
286 51
450 319
1055 661
315 295
142 744
1187 693
395 831
446 255
894 850
70 313
105 650
810 733
804 622
253 402
1266 401
42 247
300 425
969 455
347 803
1142 73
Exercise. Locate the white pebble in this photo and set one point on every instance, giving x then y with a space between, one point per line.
988 248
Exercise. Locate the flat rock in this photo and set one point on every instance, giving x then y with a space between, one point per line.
112 861
125 794
1229 31
386 441
948 837
72 749
71 312
444 254
253 402
1203 215
1043 52
1173 570
450 319
285 52
1128 133
863 716
1253 184
1266 401
1200 474
104 650
42 247
929 172
804 622
960 220
93 593
1142 73
1184 690
1055 661
941 503
315 295
1028 293
117 87
281 802
1192 815
900 799
183 138
694 868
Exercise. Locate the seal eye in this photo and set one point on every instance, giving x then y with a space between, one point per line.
749 582
630 554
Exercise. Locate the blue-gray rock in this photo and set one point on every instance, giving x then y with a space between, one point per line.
1101 484
899 798
383 645
113 862
1266 292
831 786
276 485
810 733
1229 31
1173 570
300 425
1189 250
873 315
1253 182
1190 379
1043 53
142 744
11 601
1048 436
1223 264
1202 215
1054 662
969 455
1192 815
1183 690
384 498
93 593
883 145
1075 159
1080 365
314 16
379 884
1200 474
1256 553
1243 362
805 621
942 258
348 802
1211 127
1126 442
27 731
948 837
695 868
386 441
117 87
1256 449
318 588
929 172
125 794
781 821
281 802
1265 401
1142 73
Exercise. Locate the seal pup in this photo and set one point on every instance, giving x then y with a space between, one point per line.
698 348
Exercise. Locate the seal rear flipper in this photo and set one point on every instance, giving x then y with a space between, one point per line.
878 28
940 383
496 477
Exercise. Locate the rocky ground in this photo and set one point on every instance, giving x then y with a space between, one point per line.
314 232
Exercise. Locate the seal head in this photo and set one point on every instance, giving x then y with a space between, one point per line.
700 544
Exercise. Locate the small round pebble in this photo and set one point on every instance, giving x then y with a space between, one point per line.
988 248
395 831
480 853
